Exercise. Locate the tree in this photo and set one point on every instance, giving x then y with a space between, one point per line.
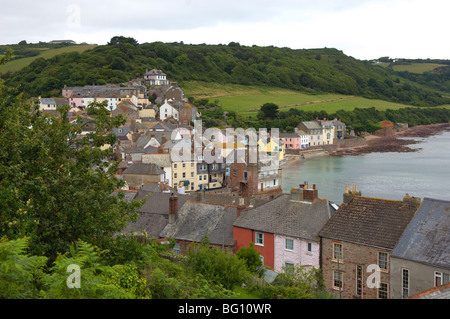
122 39
269 110
251 257
55 185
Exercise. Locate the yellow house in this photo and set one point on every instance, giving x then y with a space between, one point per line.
273 146
185 174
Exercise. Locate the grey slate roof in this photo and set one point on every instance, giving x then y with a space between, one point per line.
427 237
284 217
196 220
154 213
144 169
369 221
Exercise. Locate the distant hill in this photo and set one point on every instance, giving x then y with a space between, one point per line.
24 54
308 71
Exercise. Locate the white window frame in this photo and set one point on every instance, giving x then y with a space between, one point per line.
257 240
286 244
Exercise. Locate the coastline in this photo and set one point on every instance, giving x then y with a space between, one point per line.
397 142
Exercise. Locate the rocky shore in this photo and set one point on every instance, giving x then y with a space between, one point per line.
394 143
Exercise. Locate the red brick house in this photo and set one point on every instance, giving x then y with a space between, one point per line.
360 237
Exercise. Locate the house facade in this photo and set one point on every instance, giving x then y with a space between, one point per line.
420 260
167 110
155 77
357 243
285 230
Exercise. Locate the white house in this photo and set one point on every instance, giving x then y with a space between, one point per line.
155 77
166 110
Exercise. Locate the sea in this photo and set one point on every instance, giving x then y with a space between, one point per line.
391 175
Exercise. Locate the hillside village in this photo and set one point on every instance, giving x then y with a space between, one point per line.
237 201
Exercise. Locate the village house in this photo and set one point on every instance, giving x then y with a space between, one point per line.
358 240
421 258
254 175
295 141
314 131
155 77
195 220
187 114
285 230
163 161
168 110
154 213
137 174
50 104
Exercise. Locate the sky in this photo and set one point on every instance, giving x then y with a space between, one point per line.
363 29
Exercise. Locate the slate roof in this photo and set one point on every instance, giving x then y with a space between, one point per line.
426 239
196 220
144 169
312 125
154 213
288 218
162 160
369 221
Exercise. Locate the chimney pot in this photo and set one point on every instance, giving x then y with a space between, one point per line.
173 208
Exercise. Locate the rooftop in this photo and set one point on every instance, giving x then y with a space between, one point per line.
370 221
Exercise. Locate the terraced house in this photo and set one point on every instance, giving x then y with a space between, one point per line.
357 243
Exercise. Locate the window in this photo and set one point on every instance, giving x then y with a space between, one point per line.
338 280
337 252
289 244
184 175
289 267
184 165
328 136
309 247
437 278
174 175
274 182
405 282
174 165
383 291
359 281
192 174
259 239
262 259
234 172
200 177
192 165
383 261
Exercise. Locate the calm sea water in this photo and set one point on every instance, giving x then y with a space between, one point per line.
424 173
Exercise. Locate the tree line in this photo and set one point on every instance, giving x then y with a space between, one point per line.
313 70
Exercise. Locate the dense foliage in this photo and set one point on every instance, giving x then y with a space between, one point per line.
325 70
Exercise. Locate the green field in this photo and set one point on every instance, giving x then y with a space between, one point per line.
416 67
248 99
18 64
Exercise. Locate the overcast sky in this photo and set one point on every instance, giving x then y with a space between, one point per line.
364 29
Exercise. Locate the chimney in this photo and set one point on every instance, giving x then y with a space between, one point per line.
297 194
411 201
241 207
173 208
350 193
310 195
200 196
163 139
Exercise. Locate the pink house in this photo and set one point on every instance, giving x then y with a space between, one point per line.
287 227
293 141
76 101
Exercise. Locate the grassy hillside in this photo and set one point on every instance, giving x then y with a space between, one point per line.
247 100
418 68
46 53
